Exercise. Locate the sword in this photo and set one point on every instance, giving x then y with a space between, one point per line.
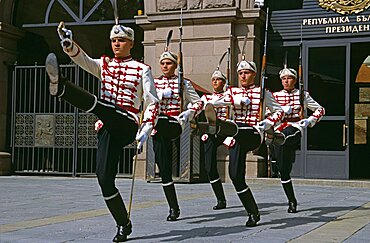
134 171
286 59
244 45
63 32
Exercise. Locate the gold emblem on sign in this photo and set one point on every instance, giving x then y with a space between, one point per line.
345 6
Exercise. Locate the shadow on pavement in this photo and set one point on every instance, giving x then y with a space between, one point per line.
179 235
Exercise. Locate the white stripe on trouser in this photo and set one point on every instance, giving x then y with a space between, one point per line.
111 197
246 189
167 184
214 181
124 114
284 182
64 90
292 135
95 102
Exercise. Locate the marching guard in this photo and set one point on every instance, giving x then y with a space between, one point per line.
246 103
215 136
124 84
171 123
292 128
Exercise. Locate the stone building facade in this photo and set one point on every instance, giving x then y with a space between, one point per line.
209 28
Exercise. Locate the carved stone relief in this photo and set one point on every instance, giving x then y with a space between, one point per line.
44 130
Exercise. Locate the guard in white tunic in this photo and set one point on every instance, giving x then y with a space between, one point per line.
212 141
246 102
124 84
171 123
292 128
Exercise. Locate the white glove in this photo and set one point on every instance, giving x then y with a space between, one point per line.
167 93
98 124
186 116
263 125
143 134
307 122
241 100
287 109
303 123
229 142
65 36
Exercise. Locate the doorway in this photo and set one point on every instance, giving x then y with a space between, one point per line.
325 148
337 76
359 122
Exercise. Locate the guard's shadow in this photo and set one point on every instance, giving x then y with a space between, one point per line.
291 220
318 215
227 213
179 235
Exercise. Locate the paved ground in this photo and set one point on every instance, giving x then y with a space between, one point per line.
59 209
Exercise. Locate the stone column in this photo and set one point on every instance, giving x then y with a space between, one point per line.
9 35
209 28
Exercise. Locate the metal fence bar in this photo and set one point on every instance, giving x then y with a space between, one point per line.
50 136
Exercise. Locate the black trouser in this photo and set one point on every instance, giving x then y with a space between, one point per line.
119 130
165 154
247 139
108 152
166 149
210 156
285 154
285 157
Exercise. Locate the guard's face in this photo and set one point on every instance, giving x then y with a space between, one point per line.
168 67
246 77
288 82
218 84
121 47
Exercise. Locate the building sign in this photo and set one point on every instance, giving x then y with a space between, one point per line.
345 6
341 24
313 22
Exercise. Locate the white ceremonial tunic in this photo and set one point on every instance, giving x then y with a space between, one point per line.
124 82
222 111
249 114
289 101
171 106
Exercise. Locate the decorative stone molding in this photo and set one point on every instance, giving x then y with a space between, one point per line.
218 3
166 5
195 4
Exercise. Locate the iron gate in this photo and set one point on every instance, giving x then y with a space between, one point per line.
49 136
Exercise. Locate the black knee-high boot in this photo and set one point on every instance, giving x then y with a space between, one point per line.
250 205
118 210
170 193
219 193
289 192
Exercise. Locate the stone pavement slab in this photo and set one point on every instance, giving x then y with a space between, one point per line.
64 209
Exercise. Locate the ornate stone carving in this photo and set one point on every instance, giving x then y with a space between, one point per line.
195 4
44 130
167 5
218 3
